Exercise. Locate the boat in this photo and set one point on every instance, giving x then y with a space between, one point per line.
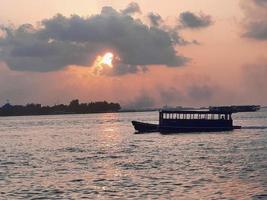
186 121
235 109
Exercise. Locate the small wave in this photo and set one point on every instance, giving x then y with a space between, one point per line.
260 197
254 127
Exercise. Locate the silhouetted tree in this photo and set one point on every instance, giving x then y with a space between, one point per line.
74 107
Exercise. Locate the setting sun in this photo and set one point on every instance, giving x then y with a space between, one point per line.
107 59
103 63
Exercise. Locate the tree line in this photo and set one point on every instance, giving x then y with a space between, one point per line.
74 107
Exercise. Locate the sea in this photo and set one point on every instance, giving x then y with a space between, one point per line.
99 156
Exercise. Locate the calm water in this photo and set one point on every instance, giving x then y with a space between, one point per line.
99 157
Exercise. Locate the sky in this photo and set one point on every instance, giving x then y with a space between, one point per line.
142 54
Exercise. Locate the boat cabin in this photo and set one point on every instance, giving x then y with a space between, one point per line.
197 119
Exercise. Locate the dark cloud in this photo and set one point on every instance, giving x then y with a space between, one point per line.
171 95
143 101
61 41
255 19
132 8
154 19
200 92
195 92
257 30
261 2
191 20
122 69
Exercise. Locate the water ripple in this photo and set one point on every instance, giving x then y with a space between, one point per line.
99 157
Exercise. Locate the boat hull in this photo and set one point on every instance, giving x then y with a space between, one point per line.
169 130
141 127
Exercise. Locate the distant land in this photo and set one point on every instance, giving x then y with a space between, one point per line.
74 107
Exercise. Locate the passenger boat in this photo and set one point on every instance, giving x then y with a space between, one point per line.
184 121
235 109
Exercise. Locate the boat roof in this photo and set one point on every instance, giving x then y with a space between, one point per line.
196 111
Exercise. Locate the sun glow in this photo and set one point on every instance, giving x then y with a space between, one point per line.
107 59
104 63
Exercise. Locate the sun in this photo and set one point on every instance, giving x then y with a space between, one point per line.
104 63
107 59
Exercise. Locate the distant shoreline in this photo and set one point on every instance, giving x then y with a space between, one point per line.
74 107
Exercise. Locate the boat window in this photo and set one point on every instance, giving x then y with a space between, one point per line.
212 116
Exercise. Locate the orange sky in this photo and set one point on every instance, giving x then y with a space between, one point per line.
223 67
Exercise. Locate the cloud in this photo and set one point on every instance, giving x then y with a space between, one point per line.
194 92
155 19
171 94
255 77
132 8
255 23
261 2
200 92
143 101
254 85
62 41
191 20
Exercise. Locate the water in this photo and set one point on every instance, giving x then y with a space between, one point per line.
98 157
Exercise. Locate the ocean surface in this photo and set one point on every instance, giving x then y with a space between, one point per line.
98 156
